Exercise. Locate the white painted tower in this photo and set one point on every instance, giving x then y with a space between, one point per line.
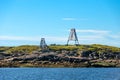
73 37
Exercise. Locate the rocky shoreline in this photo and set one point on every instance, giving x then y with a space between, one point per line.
54 59
60 56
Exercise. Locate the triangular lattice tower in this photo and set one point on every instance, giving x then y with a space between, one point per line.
43 45
73 37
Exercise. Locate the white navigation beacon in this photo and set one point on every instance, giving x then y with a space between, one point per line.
73 37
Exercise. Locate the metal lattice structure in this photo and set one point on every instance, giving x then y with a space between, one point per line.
73 37
43 45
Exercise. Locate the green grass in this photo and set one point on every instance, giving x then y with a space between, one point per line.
22 49
30 48
62 47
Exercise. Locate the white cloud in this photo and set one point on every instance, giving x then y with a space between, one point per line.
69 19
50 39
56 39
94 31
18 38
90 37
81 37
26 38
115 36
82 19
97 37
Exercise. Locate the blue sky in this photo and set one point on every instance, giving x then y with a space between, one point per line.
26 21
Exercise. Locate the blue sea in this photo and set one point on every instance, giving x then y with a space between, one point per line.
59 73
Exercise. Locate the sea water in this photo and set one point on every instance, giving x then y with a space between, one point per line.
59 73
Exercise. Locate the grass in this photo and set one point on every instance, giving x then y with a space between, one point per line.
30 48
22 49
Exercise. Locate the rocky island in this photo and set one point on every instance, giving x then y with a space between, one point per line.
95 55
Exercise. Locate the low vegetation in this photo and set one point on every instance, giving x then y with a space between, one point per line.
30 48
22 49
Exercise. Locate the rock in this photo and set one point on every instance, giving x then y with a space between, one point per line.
1 57
85 53
4 55
17 54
